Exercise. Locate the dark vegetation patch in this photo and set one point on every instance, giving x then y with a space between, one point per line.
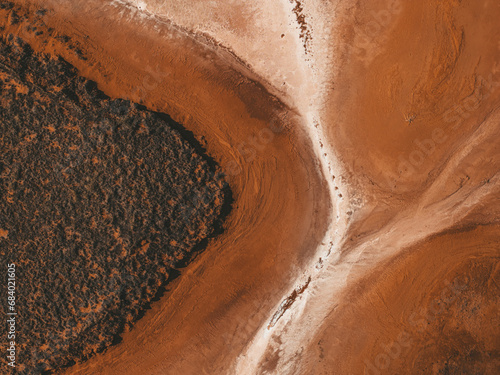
101 203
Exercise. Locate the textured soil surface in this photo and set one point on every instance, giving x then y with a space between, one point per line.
360 141
278 218
276 221
101 201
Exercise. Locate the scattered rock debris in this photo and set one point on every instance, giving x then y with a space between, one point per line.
287 303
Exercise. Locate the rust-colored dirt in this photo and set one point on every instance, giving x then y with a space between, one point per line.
225 294
363 157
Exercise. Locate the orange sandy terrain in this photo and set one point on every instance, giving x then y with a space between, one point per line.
364 164
414 118
240 277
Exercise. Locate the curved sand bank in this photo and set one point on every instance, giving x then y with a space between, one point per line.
408 103
281 207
